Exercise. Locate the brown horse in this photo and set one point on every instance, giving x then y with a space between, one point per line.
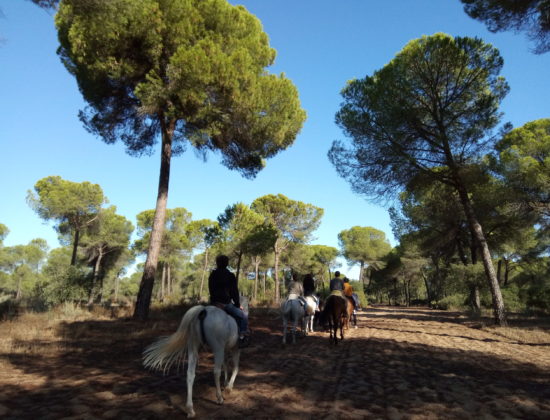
334 313
351 314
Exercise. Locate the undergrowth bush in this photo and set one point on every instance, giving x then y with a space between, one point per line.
457 301
512 299
538 296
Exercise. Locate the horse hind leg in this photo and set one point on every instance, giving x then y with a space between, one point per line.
224 370
218 362
191 366
235 356
284 329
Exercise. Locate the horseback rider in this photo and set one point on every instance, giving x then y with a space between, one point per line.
336 284
309 288
224 293
348 292
296 289
309 285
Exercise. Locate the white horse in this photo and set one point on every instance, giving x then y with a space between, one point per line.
292 309
200 325
311 308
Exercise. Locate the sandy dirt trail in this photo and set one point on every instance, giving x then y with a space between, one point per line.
401 363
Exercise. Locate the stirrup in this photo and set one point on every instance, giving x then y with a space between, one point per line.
243 342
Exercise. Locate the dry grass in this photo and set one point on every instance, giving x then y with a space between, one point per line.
522 335
39 333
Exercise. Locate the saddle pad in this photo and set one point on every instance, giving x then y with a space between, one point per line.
337 293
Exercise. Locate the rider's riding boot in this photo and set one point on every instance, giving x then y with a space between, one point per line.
244 341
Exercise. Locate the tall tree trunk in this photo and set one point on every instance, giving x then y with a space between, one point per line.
506 270
162 290
95 276
473 247
361 273
169 280
257 260
276 268
204 267
475 226
75 246
429 295
143 302
19 293
499 271
475 301
117 286
99 296
264 281
239 258
461 252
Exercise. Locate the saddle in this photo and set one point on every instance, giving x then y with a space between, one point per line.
295 296
222 307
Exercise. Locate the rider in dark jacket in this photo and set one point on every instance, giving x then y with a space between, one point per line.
336 283
309 285
224 292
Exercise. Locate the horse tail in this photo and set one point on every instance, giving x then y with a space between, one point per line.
167 351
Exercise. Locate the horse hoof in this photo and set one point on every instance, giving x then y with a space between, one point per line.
220 400
190 413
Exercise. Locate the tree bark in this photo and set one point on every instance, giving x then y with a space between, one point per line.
239 257
256 275
429 295
475 226
475 301
162 290
169 280
204 267
506 270
276 250
143 302
19 293
75 246
95 276
117 286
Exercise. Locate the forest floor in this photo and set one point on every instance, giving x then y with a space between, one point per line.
401 363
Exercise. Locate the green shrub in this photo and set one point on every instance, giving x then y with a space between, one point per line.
453 302
9 309
538 296
358 289
512 298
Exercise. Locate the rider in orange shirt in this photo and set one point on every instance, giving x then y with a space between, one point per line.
348 292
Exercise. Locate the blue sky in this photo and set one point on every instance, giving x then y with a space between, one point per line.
320 45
